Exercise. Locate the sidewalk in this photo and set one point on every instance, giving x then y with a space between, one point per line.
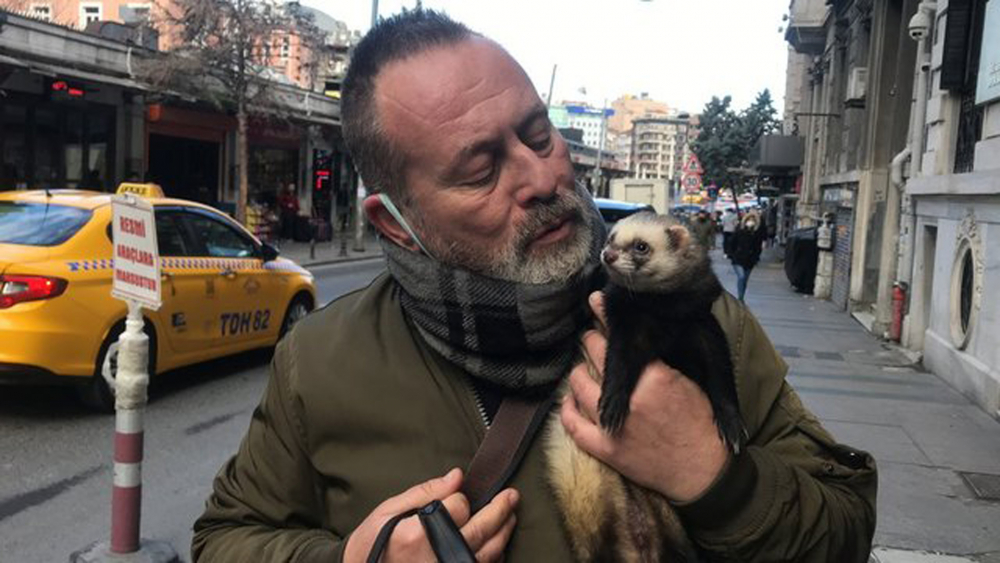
331 252
926 437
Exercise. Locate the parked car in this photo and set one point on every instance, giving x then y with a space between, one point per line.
223 290
613 210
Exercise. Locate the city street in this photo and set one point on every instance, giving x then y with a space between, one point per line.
55 457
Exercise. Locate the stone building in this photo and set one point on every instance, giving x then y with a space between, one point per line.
659 147
950 230
853 111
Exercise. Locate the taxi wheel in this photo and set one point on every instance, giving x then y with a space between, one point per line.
300 306
97 392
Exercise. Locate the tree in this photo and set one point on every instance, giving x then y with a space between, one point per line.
726 138
720 141
759 119
223 54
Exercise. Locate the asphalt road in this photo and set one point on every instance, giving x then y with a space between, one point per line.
55 457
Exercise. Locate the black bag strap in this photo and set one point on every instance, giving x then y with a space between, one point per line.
498 456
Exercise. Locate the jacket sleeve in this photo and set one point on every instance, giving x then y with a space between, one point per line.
265 504
794 494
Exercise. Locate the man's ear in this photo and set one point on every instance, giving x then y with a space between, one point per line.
387 224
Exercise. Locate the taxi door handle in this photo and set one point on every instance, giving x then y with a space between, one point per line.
228 273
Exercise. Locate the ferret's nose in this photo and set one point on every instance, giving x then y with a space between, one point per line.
609 256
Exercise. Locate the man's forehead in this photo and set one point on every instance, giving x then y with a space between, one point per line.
444 83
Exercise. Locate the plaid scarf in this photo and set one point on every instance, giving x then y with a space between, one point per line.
517 336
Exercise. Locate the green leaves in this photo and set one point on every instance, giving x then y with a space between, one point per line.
726 137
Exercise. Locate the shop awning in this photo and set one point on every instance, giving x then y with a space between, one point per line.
11 61
60 71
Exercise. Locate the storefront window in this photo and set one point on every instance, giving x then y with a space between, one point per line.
74 149
46 142
14 146
99 138
271 170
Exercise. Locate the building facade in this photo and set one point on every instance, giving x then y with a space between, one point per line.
660 147
73 115
950 229
854 108
628 108
899 107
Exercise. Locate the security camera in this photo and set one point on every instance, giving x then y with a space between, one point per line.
920 25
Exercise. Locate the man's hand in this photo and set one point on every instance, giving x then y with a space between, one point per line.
487 532
669 442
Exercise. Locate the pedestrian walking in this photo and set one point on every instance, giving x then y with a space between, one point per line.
746 248
493 255
703 230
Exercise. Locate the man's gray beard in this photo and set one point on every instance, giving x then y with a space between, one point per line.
555 263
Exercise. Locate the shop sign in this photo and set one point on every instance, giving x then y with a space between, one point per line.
988 88
136 256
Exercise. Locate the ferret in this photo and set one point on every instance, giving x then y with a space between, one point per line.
657 304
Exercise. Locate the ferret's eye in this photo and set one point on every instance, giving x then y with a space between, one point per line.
641 247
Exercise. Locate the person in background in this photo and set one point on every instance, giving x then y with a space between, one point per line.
730 220
746 247
703 230
288 206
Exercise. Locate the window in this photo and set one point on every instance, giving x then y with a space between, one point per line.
35 224
286 47
89 13
169 233
134 13
217 238
42 11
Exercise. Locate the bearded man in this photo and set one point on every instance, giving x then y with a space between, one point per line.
492 255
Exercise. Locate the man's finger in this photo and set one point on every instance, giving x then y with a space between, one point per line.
494 547
596 301
595 345
487 522
586 392
458 508
586 434
423 493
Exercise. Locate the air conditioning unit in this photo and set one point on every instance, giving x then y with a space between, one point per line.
857 86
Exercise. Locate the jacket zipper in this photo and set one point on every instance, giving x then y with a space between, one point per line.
479 403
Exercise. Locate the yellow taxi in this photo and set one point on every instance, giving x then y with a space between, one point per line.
223 290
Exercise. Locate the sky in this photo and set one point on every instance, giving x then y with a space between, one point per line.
681 52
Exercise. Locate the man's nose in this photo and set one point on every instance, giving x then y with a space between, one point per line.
537 178
609 256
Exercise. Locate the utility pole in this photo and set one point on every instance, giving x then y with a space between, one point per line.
600 149
359 212
552 85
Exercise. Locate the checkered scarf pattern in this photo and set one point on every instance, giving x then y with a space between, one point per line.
518 336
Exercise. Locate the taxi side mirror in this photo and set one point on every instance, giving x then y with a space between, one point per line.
268 252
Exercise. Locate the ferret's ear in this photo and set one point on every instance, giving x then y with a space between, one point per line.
677 235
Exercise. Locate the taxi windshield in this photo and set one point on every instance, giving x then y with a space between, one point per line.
39 224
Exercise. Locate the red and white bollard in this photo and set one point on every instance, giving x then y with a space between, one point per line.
130 384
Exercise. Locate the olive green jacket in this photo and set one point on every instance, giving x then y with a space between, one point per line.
359 409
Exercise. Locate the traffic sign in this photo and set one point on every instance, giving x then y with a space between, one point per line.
692 166
692 182
136 255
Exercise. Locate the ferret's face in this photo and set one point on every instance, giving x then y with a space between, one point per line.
646 253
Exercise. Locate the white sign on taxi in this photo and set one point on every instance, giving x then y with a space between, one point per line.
136 255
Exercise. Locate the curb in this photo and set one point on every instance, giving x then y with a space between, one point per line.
308 265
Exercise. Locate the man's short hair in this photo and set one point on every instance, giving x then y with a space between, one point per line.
404 35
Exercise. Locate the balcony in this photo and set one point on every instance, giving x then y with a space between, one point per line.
805 26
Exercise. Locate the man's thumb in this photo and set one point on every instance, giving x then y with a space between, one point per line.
438 488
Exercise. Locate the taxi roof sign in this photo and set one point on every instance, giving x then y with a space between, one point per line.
141 190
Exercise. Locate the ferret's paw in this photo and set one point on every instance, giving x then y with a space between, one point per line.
732 430
613 408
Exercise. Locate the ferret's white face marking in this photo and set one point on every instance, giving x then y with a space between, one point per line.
645 251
